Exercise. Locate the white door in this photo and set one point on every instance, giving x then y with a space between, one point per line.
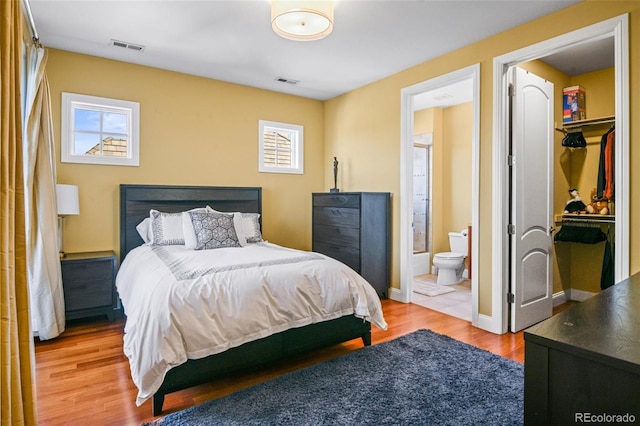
531 275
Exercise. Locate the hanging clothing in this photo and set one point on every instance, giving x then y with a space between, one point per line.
609 166
606 279
606 172
580 234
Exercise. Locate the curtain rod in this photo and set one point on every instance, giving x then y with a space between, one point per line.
34 31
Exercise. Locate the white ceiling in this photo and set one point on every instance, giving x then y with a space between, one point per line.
232 40
579 59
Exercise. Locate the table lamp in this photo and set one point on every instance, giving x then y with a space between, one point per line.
67 204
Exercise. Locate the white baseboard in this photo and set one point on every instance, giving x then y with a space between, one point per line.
489 324
559 298
580 295
571 294
396 294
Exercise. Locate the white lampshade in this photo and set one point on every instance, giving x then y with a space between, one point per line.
67 200
302 20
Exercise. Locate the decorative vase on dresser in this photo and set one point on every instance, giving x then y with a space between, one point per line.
355 228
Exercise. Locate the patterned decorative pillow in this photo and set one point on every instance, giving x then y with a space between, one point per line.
213 230
251 227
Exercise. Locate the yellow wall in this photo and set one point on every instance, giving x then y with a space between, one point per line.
363 126
458 145
194 131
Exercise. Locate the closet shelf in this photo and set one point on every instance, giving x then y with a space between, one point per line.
590 122
584 218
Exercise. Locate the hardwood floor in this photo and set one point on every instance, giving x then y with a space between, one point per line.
82 377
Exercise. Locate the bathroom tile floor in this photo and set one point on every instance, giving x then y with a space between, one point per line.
456 303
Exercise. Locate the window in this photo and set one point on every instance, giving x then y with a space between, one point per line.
281 148
100 130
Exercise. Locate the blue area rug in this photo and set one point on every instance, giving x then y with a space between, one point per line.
422 378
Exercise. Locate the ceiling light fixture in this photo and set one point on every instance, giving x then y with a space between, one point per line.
302 20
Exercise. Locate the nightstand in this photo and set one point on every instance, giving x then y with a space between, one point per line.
88 280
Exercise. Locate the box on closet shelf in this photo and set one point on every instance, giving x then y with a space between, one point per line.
574 106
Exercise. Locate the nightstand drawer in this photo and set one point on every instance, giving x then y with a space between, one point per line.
92 270
87 294
336 216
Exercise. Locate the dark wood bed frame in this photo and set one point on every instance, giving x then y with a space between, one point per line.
135 203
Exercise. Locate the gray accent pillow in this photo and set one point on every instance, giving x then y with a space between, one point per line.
213 230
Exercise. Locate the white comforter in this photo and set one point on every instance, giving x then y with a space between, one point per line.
183 303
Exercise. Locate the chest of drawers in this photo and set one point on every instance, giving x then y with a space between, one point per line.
355 228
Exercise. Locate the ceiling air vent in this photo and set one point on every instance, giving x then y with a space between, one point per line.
287 80
125 45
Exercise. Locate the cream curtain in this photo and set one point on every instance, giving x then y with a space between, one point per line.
16 341
45 281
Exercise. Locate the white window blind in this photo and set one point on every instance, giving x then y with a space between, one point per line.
281 147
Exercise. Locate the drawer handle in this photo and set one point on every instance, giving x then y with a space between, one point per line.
336 212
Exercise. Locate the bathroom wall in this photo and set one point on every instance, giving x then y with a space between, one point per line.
452 130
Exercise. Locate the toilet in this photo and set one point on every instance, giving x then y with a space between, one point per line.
451 264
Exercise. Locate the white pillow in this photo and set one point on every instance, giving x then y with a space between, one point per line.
238 224
144 230
166 228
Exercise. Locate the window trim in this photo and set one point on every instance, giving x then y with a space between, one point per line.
70 101
297 155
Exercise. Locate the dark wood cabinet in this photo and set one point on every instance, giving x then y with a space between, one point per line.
88 280
585 361
355 228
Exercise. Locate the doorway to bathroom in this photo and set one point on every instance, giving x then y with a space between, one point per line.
439 188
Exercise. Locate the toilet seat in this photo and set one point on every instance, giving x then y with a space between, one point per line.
449 255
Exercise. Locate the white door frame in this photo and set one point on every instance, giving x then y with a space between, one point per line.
406 180
618 29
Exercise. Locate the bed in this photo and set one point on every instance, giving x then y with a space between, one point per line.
153 308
